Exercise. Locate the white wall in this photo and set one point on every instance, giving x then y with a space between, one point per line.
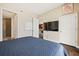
51 15
22 19
51 36
14 24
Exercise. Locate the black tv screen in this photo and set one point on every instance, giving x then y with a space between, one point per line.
51 26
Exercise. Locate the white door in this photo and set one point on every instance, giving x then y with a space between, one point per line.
35 27
67 28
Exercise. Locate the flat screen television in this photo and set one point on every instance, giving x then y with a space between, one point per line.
51 26
45 26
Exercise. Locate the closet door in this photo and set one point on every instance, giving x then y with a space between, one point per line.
35 27
67 28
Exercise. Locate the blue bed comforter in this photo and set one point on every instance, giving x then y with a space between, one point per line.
31 46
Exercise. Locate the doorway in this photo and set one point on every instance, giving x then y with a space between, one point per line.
6 28
9 25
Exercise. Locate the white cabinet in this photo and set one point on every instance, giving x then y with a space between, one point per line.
68 29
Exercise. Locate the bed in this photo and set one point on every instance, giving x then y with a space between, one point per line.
31 46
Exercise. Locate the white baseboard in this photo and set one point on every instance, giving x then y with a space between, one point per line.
52 40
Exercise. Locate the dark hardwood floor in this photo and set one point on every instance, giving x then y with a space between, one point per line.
72 51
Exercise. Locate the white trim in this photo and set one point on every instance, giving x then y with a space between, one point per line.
1 38
12 34
76 28
52 40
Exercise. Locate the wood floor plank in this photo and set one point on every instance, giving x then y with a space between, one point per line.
72 51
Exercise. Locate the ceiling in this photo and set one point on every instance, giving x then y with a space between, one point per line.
8 14
32 8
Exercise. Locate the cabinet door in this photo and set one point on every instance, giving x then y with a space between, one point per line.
67 28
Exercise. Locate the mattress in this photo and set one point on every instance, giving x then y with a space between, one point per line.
31 46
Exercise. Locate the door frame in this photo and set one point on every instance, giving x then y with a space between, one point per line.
13 26
13 20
